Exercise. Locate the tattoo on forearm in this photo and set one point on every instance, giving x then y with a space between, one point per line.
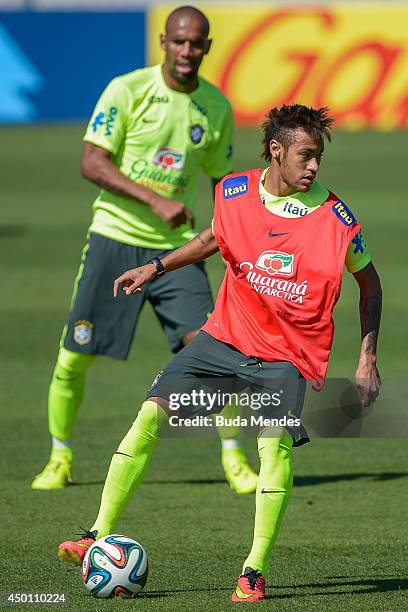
369 344
198 237
370 316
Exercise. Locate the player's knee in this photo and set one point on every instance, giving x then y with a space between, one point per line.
275 454
144 433
151 418
73 362
274 444
277 434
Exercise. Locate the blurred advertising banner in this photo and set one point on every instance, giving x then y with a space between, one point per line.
54 66
351 58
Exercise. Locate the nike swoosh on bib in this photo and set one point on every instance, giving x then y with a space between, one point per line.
271 234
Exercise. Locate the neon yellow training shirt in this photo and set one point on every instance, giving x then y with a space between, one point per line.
301 204
160 138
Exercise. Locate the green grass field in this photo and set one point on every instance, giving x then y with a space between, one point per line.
344 543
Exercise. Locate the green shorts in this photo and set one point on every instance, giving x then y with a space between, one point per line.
98 324
200 379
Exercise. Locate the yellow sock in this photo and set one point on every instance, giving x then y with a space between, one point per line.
129 465
272 494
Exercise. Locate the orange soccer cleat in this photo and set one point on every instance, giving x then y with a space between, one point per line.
250 587
74 551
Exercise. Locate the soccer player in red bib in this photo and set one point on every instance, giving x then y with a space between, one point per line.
285 240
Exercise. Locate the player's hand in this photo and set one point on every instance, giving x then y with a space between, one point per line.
368 380
132 280
172 212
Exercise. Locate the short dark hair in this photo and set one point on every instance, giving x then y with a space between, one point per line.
192 11
281 123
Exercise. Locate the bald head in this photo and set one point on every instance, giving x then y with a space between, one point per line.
185 42
186 12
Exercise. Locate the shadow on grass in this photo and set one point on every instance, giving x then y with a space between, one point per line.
11 231
358 587
307 481
195 481
300 481
157 482
88 483
170 592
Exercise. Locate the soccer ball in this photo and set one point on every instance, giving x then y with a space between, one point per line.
115 566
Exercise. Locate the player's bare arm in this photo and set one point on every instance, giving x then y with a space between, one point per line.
96 166
367 376
200 247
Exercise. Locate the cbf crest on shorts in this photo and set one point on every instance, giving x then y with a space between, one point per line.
83 332
196 133
156 380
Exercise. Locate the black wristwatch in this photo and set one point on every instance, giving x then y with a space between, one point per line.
159 266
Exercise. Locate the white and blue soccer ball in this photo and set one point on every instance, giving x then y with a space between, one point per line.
115 566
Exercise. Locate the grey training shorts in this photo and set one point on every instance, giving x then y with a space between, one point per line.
209 368
99 324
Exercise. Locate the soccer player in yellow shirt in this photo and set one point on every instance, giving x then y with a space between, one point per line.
151 132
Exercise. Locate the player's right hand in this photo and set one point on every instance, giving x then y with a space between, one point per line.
172 212
132 280
368 380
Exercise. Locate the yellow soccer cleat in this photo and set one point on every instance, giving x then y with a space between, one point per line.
57 474
238 472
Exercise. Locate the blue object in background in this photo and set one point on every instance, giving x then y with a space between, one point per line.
54 66
18 79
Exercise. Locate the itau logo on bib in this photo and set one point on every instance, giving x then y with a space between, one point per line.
235 186
276 262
